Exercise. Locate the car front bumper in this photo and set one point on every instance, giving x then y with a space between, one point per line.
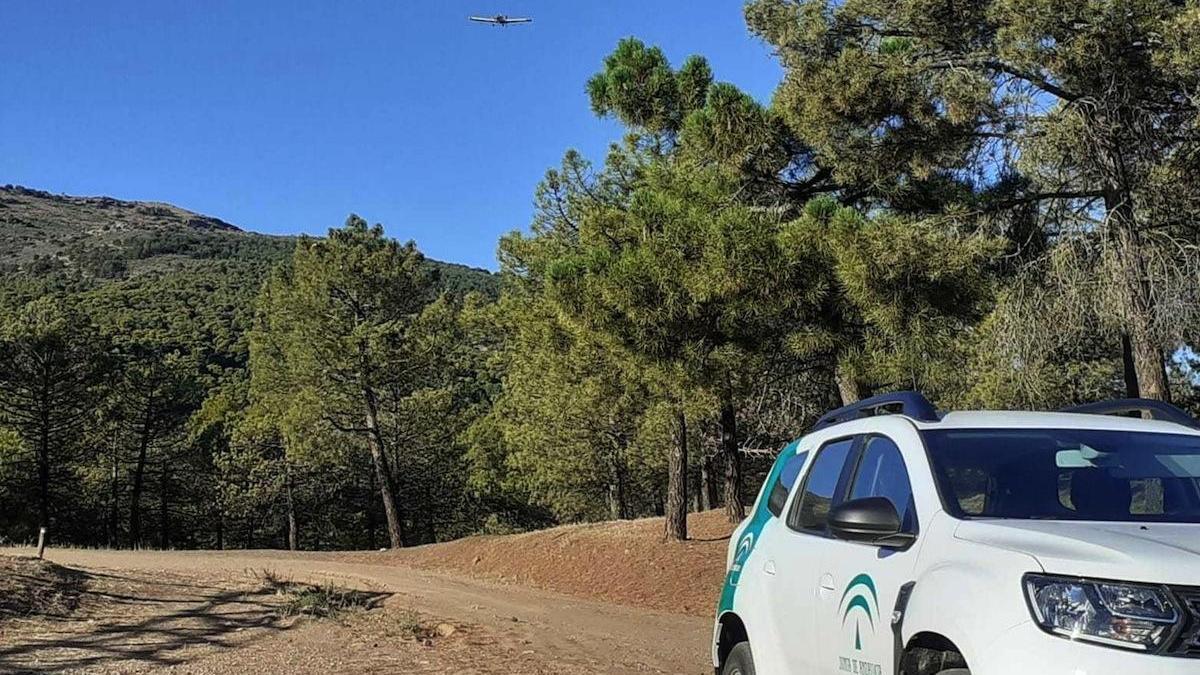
1027 650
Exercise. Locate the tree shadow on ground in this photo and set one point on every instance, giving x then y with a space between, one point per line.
708 540
155 629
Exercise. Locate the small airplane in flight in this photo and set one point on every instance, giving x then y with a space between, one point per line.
500 20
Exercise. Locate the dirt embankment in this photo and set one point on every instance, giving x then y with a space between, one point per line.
627 562
32 587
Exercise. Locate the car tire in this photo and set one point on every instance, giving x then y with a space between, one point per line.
740 661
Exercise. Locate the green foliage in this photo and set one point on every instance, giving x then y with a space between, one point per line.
334 322
640 88
15 484
693 265
562 432
53 362
737 133
349 354
683 279
694 79
1046 121
852 92
898 293
1003 376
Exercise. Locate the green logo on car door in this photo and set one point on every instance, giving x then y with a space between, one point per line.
860 602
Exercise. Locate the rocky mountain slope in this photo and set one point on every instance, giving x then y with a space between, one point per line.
97 238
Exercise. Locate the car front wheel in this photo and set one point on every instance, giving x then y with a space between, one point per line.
740 661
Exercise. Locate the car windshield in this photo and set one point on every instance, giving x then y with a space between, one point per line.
1067 474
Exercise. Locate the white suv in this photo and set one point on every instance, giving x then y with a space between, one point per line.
892 539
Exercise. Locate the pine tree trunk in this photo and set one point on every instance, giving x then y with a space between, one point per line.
164 509
622 495
617 506
1135 285
614 500
677 489
430 531
139 479
1131 383
387 484
114 505
1147 356
428 525
43 469
848 387
220 530
732 457
707 485
370 511
1148 362
293 530
250 530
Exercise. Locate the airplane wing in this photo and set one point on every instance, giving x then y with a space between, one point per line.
483 19
521 20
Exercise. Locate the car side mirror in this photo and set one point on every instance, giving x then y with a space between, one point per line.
871 520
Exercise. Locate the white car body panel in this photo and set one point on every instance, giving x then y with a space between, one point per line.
1153 553
792 589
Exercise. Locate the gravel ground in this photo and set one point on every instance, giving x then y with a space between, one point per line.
211 612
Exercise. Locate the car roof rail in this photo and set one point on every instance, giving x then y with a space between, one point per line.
1157 410
910 403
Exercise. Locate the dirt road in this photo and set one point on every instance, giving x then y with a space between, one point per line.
571 635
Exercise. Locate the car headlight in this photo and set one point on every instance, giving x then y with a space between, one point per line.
1130 616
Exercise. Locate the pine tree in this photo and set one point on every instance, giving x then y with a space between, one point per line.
334 322
1079 115
53 363
692 284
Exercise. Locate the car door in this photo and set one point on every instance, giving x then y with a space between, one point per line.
792 566
746 580
860 583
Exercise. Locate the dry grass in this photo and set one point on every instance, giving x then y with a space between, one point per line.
325 600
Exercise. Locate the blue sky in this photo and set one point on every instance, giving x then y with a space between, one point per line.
283 116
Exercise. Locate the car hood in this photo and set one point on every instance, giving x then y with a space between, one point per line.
1150 552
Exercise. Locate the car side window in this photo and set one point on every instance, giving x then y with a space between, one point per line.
882 473
782 487
811 511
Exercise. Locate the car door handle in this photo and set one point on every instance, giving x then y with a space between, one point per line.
769 567
826 584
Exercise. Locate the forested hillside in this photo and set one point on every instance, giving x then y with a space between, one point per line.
994 204
124 319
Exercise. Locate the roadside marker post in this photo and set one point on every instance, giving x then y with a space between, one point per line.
41 542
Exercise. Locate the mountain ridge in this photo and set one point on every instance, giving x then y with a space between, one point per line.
105 238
